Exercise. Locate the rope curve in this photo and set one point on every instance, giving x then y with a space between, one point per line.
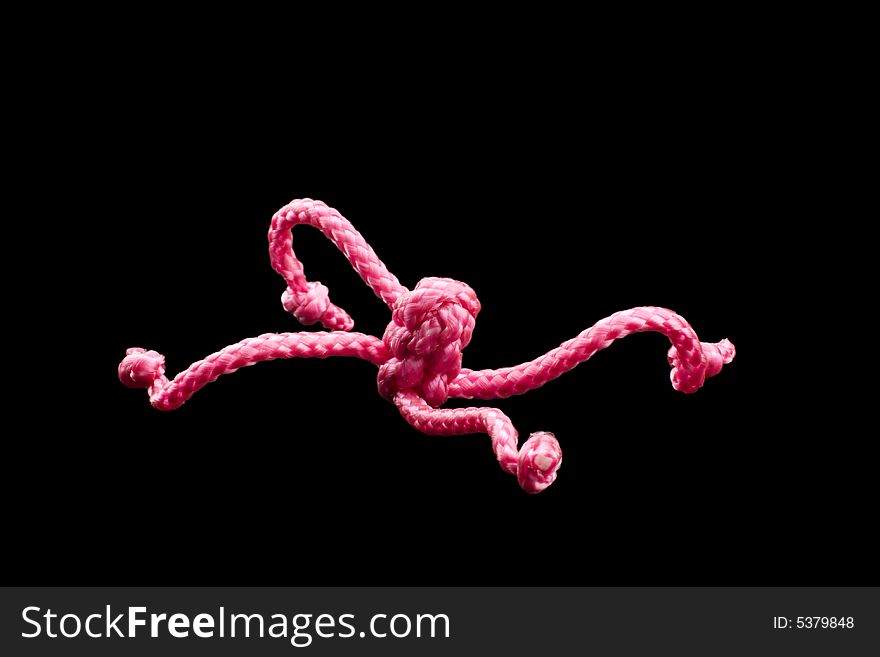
420 354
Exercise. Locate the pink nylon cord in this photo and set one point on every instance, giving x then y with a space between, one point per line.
420 354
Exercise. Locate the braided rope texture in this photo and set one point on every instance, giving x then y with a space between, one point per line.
420 355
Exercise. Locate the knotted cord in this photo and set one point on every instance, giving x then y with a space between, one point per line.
420 354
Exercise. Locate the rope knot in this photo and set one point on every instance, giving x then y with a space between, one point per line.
537 462
429 327
140 368
690 370
313 305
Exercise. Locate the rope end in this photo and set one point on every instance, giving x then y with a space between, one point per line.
716 354
314 305
140 368
727 351
539 461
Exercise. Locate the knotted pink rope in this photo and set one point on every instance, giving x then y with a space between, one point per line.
419 356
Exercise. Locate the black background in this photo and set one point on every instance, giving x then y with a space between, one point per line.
562 188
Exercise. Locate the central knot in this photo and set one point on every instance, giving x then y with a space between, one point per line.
429 328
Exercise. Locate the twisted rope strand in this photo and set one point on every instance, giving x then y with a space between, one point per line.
420 354
534 464
141 368
693 361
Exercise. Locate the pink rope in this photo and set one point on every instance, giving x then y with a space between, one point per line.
419 356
